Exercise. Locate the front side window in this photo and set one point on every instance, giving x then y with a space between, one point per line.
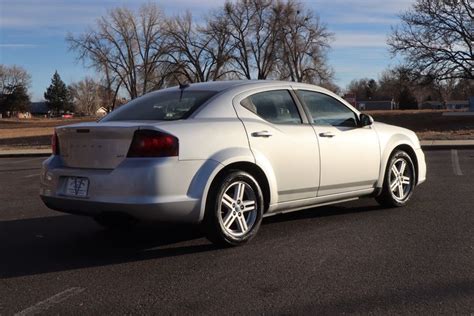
161 106
325 110
275 106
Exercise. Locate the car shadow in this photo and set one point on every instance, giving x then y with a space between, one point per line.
66 242
324 211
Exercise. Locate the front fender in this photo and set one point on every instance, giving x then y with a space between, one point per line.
387 147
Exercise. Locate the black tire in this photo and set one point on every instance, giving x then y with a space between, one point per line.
115 222
218 210
401 196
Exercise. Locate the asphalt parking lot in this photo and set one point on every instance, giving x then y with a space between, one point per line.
348 258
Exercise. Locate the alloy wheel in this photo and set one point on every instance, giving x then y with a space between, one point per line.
238 209
401 179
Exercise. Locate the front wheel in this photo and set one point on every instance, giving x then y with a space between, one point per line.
234 209
399 180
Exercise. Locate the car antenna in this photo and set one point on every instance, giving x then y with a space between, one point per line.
182 86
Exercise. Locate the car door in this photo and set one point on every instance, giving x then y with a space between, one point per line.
281 137
350 155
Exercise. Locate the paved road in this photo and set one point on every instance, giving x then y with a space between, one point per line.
349 258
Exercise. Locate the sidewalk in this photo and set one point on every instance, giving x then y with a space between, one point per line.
425 144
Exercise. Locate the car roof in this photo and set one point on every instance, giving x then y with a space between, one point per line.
234 87
237 86
220 86
216 85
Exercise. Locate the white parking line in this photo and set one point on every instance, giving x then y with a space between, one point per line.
32 175
455 162
53 300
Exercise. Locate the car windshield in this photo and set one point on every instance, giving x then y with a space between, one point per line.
161 106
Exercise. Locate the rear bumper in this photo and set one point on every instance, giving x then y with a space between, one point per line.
170 211
162 189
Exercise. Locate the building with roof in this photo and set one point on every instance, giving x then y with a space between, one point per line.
39 108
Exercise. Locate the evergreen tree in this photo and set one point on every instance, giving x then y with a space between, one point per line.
58 97
371 89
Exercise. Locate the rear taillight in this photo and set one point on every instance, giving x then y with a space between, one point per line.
55 144
149 143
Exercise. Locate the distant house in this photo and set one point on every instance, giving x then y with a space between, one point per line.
457 104
23 115
101 111
450 105
39 108
16 114
369 105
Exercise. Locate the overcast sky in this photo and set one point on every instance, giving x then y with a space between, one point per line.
32 33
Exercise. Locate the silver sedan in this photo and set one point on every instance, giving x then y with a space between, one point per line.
225 155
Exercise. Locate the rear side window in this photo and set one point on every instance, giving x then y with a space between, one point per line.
161 106
325 110
275 106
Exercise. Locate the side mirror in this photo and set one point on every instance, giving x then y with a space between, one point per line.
365 120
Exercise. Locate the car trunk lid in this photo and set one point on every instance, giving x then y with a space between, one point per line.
96 145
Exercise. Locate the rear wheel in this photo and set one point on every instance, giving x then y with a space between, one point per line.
399 180
234 209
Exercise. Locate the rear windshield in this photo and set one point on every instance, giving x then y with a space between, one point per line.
161 106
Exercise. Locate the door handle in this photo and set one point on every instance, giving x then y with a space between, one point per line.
327 134
261 134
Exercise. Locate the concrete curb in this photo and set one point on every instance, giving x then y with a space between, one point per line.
25 153
446 144
446 147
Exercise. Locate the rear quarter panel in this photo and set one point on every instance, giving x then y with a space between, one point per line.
216 142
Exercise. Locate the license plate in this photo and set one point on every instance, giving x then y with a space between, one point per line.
77 186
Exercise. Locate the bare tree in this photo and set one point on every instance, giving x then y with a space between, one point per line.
111 83
463 89
271 38
143 51
12 77
254 36
126 46
399 84
264 27
364 88
14 84
219 48
436 38
197 53
238 17
305 41
87 96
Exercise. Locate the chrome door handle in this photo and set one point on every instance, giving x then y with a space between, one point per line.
327 134
261 134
